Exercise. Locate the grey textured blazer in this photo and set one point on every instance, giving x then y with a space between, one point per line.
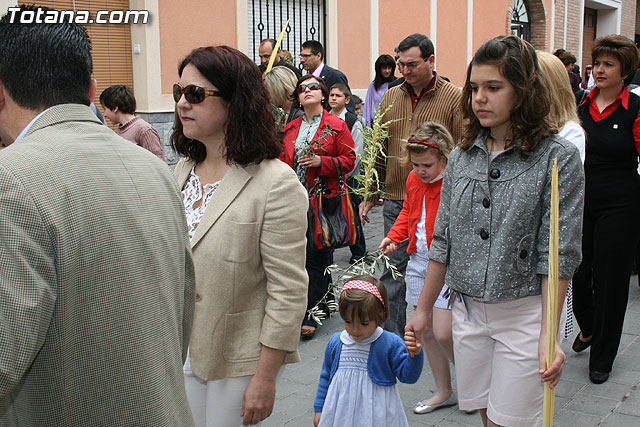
492 228
96 279
251 282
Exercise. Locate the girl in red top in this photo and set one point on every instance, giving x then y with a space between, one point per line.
427 151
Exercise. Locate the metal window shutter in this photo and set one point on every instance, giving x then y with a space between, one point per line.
111 43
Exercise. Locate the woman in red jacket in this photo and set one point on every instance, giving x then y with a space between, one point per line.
309 143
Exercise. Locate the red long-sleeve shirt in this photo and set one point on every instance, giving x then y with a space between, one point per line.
407 222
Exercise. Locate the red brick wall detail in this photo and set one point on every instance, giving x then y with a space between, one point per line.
538 20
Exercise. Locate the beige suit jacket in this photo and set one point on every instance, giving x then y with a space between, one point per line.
96 279
251 282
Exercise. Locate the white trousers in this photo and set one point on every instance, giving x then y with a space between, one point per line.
216 403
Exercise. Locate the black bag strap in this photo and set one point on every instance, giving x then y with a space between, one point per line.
341 179
339 170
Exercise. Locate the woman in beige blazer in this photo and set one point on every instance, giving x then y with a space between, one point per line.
246 212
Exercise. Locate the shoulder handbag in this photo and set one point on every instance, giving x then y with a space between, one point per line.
331 219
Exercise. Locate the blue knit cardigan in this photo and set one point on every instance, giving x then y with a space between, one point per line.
388 360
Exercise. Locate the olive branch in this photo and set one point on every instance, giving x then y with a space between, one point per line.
368 264
374 148
316 144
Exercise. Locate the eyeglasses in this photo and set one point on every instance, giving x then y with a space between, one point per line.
306 55
311 86
411 65
192 93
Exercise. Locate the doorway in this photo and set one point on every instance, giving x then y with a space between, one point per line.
588 36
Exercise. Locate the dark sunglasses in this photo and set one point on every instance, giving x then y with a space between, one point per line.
192 93
310 86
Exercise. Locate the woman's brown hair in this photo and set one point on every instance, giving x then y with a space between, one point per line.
250 133
621 48
363 304
516 59
323 88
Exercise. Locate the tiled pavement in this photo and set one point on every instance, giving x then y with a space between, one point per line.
578 403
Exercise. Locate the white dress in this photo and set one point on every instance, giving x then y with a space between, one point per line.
353 399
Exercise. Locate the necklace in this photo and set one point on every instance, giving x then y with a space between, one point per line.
497 138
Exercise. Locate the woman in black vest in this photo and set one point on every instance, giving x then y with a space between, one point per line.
612 203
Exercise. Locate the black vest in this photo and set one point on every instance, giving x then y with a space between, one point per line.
350 119
611 163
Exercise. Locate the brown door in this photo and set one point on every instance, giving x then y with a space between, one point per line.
588 36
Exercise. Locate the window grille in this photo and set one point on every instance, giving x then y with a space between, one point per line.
520 23
267 17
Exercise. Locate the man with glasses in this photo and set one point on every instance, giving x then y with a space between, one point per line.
265 50
97 286
423 96
311 58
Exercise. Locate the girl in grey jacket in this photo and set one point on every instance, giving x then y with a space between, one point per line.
491 237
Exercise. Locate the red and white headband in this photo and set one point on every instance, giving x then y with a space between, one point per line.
364 286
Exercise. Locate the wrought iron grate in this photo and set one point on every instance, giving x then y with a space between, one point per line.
267 17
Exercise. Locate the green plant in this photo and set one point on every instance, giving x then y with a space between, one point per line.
368 264
308 147
375 138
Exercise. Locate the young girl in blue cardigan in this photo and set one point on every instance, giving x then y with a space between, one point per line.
358 380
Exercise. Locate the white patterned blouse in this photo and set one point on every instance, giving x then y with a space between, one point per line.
191 193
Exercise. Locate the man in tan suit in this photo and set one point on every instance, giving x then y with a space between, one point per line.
96 273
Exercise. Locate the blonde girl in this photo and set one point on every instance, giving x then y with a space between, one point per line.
563 114
426 151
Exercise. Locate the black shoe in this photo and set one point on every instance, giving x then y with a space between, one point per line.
579 345
307 332
598 377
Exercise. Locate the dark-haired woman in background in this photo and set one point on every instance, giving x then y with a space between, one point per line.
310 142
246 213
610 116
385 69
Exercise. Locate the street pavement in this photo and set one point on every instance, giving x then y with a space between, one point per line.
578 403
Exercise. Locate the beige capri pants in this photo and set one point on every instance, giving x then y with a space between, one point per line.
496 353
